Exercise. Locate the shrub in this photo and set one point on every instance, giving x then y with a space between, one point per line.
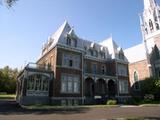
111 102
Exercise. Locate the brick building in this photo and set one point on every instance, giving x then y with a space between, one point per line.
85 72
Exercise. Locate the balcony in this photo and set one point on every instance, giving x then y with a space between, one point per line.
39 67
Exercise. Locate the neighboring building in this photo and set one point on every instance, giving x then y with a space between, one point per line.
144 59
85 72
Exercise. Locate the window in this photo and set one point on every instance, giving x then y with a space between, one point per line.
146 30
123 86
68 41
85 67
103 70
63 102
155 18
94 68
76 61
45 85
37 82
136 81
70 102
150 24
76 102
70 60
70 83
157 26
121 56
63 84
70 63
102 55
30 83
122 70
71 42
93 52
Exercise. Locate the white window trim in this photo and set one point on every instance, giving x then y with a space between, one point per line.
78 81
135 81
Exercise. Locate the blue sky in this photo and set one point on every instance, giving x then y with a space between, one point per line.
28 24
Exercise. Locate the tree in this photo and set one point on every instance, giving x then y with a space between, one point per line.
8 3
151 86
8 79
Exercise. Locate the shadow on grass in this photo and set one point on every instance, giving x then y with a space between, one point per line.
12 108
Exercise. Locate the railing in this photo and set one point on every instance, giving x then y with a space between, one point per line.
39 66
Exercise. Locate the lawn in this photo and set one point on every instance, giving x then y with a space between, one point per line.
7 96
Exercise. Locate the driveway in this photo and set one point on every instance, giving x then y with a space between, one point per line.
10 110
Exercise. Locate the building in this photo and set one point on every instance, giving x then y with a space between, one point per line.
144 59
85 72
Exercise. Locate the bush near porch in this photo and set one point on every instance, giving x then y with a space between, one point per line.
111 102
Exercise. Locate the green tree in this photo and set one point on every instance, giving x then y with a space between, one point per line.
8 79
151 86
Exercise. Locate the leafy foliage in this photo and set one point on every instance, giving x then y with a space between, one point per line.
8 3
151 86
8 79
111 102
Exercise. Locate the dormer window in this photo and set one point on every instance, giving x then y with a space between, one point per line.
71 42
121 56
68 41
102 55
93 52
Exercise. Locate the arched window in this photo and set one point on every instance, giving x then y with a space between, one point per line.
150 24
136 81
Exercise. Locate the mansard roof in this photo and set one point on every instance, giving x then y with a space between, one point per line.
108 46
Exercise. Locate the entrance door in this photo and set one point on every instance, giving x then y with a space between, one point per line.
89 87
111 88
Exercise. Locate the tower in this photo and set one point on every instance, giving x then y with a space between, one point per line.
150 25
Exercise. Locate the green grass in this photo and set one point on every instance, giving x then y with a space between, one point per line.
7 96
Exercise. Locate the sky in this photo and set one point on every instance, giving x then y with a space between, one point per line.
26 26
